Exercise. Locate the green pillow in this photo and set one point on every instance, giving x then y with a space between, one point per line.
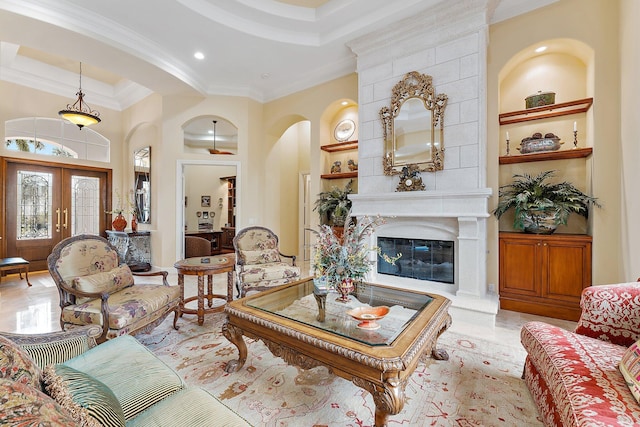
86 398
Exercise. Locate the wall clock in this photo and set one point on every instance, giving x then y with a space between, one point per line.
344 130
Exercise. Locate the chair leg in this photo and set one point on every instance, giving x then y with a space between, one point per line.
176 315
26 274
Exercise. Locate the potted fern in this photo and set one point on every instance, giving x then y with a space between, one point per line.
334 205
541 206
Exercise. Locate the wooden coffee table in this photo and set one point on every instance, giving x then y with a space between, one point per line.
308 328
205 266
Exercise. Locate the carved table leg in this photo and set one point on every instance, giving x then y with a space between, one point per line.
181 285
234 334
389 399
230 286
440 354
321 299
210 289
200 299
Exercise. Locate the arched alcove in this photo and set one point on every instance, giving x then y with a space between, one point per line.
564 67
203 136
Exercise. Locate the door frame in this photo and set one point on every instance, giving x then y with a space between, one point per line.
180 165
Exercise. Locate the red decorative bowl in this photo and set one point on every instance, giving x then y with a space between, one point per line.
368 316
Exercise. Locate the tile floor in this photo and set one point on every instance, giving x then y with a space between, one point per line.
35 309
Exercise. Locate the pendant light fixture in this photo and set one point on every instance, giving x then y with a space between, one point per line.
80 114
214 150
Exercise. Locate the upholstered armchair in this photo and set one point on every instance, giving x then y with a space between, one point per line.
259 262
96 289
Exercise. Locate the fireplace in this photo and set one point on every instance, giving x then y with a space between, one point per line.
421 259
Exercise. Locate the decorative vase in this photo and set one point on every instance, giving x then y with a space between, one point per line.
541 221
134 223
119 223
344 288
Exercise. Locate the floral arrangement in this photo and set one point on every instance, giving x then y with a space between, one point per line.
119 209
337 258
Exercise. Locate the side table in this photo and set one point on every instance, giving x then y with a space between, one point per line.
205 266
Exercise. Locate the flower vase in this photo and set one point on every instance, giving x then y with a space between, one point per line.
344 288
134 223
119 223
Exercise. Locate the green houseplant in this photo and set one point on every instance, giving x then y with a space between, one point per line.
541 206
334 205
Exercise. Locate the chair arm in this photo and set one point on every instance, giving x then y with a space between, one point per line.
293 258
57 347
83 294
611 313
154 273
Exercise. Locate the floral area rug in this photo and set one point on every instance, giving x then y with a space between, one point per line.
479 385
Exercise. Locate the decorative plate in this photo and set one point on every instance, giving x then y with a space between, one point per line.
344 130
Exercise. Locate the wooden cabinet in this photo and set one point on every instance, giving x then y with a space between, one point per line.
231 200
544 274
340 147
226 243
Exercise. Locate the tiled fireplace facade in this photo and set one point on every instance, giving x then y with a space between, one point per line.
449 44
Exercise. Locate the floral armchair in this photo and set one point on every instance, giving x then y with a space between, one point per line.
259 262
95 289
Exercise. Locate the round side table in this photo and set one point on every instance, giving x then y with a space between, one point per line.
205 266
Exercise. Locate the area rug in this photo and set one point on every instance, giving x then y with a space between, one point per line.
479 385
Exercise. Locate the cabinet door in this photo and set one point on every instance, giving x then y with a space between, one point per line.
569 269
520 267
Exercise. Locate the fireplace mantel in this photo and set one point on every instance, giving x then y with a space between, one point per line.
422 204
457 215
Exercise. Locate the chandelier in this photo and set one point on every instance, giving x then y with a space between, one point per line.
80 113
214 150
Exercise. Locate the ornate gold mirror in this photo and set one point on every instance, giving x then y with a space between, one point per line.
413 126
142 184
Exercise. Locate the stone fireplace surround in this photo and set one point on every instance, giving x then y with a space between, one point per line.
448 42
459 216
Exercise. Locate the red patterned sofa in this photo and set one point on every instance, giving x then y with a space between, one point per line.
573 377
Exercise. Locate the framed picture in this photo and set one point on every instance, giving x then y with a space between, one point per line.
205 215
205 201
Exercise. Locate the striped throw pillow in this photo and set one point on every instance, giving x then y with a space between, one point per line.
88 400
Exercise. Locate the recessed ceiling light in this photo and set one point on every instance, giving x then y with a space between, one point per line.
541 49
265 76
198 55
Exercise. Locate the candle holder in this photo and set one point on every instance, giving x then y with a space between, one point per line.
508 147
575 139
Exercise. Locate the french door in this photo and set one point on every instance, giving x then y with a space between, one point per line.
46 203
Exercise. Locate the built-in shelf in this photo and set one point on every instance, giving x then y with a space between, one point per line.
340 175
546 111
340 146
574 153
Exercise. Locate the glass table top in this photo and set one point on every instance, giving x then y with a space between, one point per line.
212 261
302 302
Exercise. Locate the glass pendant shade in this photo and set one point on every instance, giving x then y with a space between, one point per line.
80 113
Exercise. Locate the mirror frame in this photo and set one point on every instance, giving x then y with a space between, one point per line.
141 153
414 85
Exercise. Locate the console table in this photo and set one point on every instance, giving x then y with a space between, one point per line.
134 248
